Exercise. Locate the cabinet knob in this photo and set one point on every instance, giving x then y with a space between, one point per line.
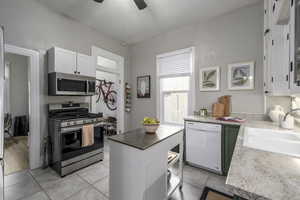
75 72
78 72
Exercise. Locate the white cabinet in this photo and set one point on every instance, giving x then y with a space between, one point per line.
282 12
69 62
85 65
276 53
61 60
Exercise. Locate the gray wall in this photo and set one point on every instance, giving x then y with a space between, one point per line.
234 37
19 94
30 25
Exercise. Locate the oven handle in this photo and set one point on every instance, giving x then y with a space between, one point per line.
77 128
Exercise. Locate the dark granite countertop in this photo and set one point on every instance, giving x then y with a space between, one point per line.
140 140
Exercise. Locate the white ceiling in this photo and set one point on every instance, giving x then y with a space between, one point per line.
121 20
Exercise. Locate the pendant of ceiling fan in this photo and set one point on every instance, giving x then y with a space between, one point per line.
141 4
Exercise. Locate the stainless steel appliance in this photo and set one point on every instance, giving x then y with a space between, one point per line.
66 153
203 145
72 85
2 75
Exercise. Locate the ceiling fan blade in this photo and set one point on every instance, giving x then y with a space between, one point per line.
141 4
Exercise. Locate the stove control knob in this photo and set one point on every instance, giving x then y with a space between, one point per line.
74 123
68 124
84 121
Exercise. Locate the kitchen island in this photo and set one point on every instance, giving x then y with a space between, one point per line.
139 164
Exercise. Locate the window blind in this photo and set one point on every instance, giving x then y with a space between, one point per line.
179 63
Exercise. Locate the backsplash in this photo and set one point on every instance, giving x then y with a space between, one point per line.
284 101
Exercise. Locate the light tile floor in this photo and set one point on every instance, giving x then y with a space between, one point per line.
92 183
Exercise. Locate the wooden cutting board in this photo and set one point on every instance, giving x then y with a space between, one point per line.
218 110
226 100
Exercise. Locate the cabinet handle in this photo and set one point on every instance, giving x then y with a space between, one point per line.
267 31
291 67
287 77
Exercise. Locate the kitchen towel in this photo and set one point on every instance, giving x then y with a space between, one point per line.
87 135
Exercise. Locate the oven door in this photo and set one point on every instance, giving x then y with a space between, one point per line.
71 141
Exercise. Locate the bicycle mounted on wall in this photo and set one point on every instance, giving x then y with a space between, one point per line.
105 93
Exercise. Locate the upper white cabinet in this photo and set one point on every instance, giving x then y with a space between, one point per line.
282 12
276 52
69 62
85 65
61 60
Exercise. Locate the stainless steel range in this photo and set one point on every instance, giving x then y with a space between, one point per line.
66 150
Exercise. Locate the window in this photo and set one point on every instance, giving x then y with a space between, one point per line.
175 78
107 63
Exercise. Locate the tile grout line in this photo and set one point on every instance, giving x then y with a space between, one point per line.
43 190
90 185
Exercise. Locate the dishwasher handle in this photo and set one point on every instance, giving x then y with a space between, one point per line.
204 126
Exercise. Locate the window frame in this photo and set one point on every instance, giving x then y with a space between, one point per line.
191 92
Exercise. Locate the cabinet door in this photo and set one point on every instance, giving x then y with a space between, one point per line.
85 65
230 133
62 61
279 55
267 47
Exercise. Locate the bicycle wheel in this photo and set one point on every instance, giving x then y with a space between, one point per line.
111 102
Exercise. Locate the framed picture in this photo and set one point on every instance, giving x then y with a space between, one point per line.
241 76
210 79
143 86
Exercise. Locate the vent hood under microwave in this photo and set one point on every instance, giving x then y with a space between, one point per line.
60 84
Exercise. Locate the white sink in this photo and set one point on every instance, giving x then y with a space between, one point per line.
284 142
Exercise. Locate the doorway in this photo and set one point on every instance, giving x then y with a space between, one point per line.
110 89
23 135
16 112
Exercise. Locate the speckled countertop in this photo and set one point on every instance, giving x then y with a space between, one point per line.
209 120
140 140
263 175
260 175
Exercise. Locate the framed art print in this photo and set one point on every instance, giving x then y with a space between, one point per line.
241 76
143 86
210 79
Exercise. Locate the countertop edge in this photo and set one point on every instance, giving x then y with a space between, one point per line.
148 146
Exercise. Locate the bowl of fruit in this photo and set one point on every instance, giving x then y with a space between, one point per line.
151 125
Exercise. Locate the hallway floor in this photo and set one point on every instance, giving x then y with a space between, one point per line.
16 155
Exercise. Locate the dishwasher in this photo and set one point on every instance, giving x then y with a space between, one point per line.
203 145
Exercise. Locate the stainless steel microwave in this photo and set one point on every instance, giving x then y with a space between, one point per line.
60 84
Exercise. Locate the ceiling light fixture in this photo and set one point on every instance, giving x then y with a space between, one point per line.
141 4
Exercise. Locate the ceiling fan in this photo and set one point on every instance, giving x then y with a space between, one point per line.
141 4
